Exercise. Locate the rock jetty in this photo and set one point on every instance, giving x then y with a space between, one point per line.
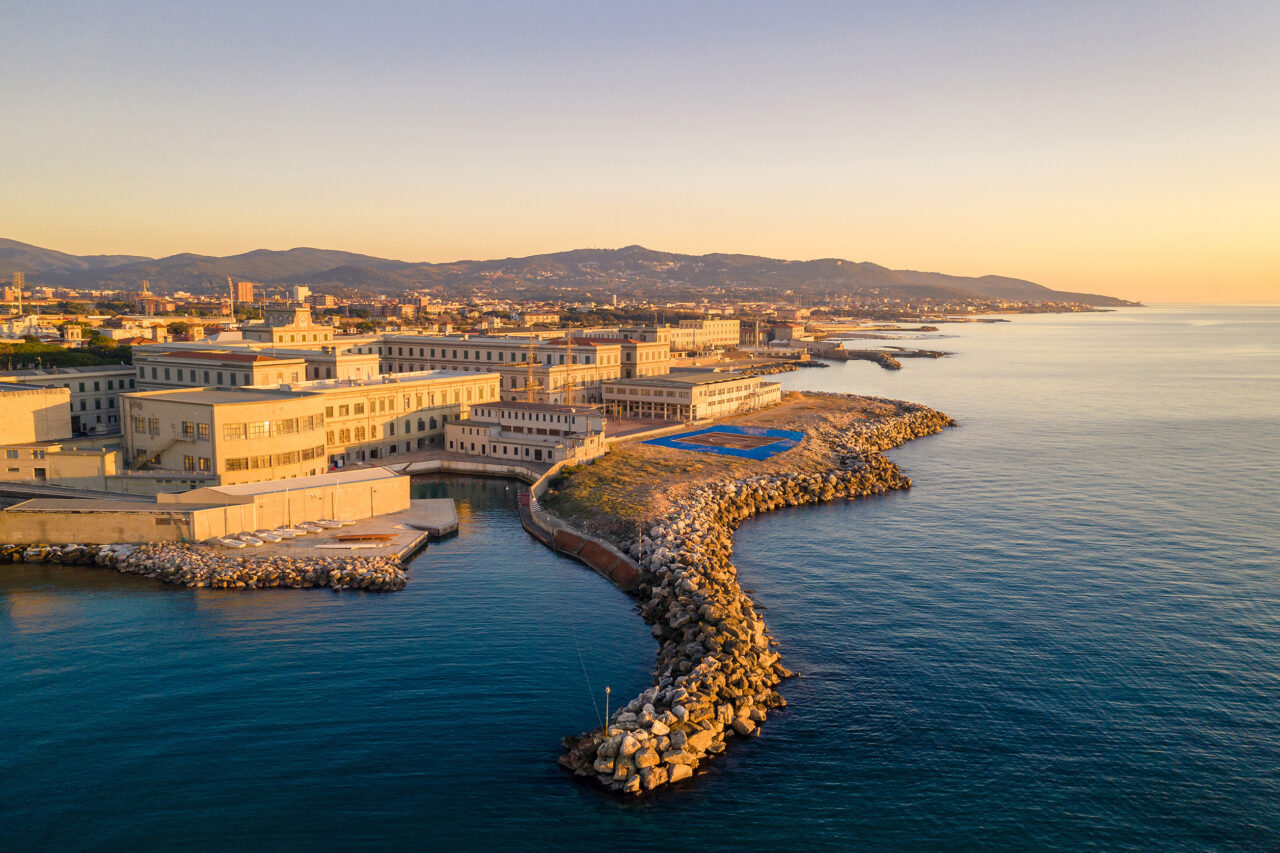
718 672
200 566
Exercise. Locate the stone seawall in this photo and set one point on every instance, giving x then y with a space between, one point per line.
717 673
203 567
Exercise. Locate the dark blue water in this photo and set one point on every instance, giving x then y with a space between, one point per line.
1064 637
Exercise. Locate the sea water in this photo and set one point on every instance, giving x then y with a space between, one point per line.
1066 635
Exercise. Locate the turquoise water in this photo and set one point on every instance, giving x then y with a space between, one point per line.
1063 637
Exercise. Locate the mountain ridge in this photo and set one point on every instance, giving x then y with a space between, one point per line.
631 271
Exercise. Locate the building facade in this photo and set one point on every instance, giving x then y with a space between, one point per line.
529 432
568 371
289 326
689 396
253 434
162 367
711 333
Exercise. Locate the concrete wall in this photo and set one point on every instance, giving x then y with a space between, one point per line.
353 501
34 414
98 528
174 518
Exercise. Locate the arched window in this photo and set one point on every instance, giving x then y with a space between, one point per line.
359 433
433 423
422 425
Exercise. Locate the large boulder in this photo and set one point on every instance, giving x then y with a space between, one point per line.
647 757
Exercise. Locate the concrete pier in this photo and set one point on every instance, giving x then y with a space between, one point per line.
398 534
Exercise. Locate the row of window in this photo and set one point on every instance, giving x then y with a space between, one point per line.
409 402
248 463
208 377
346 436
642 392
502 450
13 454
266 429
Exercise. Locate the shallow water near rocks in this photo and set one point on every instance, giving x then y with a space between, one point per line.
1063 636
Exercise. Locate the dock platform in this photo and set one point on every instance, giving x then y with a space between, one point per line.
399 534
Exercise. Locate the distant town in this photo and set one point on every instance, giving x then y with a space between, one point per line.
149 394
142 392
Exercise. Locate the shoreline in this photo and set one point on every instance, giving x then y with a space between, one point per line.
717 672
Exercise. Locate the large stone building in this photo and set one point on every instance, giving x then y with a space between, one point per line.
529 432
689 396
639 358
567 371
94 403
709 333
204 364
162 367
295 429
689 335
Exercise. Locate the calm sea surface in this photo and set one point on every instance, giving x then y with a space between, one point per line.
1065 636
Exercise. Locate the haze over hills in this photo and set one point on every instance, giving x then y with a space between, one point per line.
630 272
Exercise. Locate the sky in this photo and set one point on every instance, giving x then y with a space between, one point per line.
1128 148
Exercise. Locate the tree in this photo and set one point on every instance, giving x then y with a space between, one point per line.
102 342
179 329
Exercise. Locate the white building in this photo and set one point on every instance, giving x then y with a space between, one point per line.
689 396
529 432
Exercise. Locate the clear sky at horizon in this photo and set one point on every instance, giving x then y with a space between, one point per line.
1125 148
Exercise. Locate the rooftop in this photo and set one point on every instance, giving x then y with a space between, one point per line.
539 407
706 377
217 396
19 388
216 355
69 371
91 505
293 484
384 379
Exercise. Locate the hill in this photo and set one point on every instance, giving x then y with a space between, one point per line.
632 272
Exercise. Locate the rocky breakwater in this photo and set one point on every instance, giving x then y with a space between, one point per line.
204 567
717 672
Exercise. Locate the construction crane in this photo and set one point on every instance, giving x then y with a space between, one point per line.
531 384
568 380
